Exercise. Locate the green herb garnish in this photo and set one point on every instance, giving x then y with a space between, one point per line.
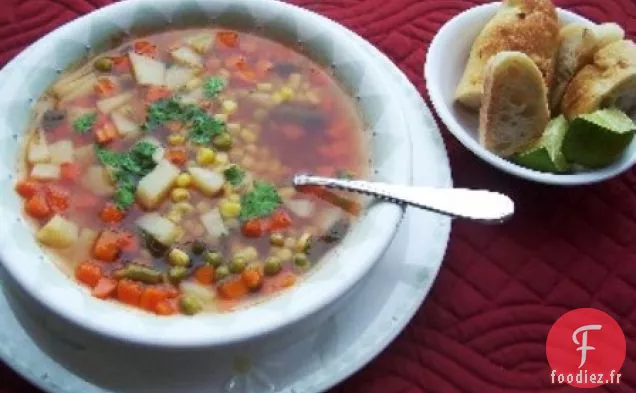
84 123
212 86
262 201
128 168
203 127
234 174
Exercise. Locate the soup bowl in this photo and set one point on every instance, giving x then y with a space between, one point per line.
31 72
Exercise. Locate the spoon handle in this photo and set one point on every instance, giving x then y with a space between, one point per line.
478 205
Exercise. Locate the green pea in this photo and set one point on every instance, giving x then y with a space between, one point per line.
198 247
237 264
178 273
190 305
301 260
221 273
277 239
223 141
103 64
213 258
272 266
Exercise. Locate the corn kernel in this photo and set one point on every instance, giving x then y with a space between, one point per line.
248 135
229 209
264 87
205 156
286 93
184 207
177 257
222 117
222 158
180 195
175 216
183 180
176 139
229 106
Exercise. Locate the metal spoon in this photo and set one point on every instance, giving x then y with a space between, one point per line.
477 205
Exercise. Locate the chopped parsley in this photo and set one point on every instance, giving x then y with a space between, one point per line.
203 127
84 123
262 201
127 168
212 86
234 174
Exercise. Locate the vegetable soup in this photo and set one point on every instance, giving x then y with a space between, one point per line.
160 172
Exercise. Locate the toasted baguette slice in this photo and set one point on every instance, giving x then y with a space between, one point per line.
528 26
610 79
577 46
515 110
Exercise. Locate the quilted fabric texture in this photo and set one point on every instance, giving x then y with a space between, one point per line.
483 328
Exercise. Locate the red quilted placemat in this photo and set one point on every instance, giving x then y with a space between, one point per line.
483 328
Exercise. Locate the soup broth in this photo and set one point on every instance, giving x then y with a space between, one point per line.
160 172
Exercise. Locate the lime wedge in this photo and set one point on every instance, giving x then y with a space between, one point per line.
545 154
597 139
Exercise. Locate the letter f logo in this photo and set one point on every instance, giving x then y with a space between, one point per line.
583 344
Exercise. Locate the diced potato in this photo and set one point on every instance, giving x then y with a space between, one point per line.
207 181
81 87
147 71
301 207
187 56
62 151
45 171
200 42
154 187
213 223
192 97
84 246
161 229
205 294
85 155
38 152
58 233
97 180
329 217
126 127
108 105
177 76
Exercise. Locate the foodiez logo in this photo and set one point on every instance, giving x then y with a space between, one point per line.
586 349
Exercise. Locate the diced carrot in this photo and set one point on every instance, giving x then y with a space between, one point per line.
256 227
292 132
233 288
171 291
37 207
106 134
177 156
145 48
129 292
228 38
166 307
107 247
27 188
151 297
111 214
105 87
70 172
122 64
205 274
105 288
280 220
128 242
155 93
252 278
88 273
58 198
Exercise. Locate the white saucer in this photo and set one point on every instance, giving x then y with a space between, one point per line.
309 357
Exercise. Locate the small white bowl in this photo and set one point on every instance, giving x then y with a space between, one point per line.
446 60
27 76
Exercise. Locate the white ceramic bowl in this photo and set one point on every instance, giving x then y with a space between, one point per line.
445 63
33 70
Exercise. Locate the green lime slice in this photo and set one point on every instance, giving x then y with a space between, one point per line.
597 139
545 154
